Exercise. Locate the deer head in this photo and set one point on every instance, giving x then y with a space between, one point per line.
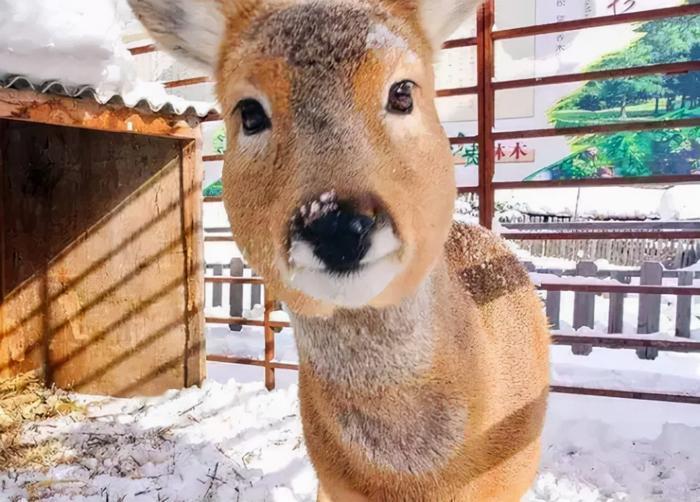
338 177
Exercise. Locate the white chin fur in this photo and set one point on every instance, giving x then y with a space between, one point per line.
379 267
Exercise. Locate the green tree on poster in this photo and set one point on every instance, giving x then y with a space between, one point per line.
660 97
219 143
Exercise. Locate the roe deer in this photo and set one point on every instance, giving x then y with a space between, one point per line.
423 346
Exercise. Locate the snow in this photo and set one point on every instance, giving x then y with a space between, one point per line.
670 372
78 43
230 441
680 203
75 41
676 203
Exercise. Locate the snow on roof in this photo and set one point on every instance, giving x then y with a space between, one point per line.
75 48
145 95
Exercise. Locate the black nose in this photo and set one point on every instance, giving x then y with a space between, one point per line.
338 235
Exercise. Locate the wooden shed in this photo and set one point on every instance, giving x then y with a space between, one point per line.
101 273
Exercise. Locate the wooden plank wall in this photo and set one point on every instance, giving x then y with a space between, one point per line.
97 292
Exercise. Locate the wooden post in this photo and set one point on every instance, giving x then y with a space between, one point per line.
3 147
236 293
616 312
529 266
269 347
217 289
553 307
584 306
192 177
255 292
649 306
684 306
487 118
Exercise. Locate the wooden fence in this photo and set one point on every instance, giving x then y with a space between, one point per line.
236 301
676 244
589 282
585 281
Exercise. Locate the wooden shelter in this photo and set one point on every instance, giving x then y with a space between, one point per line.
101 275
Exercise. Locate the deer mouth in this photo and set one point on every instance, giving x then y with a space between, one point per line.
340 255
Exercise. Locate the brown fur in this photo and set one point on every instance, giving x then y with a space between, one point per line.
436 389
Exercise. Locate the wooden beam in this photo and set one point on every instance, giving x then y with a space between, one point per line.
670 179
457 91
487 113
595 22
143 49
459 42
600 235
626 394
626 342
191 177
172 84
606 225
213 158
219 238
251 362
641 125
234 280
30 106
560 389
619 288
245 322
635 71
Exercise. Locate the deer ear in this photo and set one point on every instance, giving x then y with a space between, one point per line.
191 30
440 18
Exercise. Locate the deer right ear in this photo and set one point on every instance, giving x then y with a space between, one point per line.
191 30
440 18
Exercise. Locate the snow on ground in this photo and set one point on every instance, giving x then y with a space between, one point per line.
236 442
604 368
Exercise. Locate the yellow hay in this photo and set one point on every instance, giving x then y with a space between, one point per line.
23 399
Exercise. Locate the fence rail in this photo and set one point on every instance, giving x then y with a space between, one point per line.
646 345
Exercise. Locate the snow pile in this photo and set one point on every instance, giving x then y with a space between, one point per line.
680 203
676 203
590 203
238 442
75 41
221 442
617 369
78 43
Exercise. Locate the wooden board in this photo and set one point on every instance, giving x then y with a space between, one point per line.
100 262
86 113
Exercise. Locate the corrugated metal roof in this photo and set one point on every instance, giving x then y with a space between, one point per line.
172 105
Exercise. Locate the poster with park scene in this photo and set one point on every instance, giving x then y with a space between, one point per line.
613 101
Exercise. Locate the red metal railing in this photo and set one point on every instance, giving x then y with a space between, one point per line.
487 88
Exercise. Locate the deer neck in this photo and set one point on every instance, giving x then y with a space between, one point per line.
372 347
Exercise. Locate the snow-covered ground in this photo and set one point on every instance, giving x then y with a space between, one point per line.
233 442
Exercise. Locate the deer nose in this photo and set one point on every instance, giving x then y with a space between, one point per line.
337 231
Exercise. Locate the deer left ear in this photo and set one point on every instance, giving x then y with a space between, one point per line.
191 30
440 18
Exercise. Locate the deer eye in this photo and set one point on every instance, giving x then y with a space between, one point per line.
254 120
401 97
